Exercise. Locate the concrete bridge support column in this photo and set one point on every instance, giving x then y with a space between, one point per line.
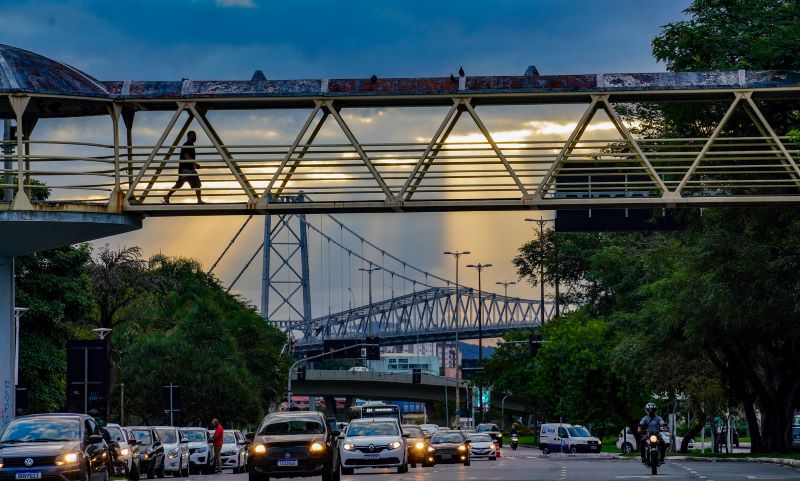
7 341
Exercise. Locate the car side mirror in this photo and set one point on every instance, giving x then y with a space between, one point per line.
95 438
248 436
184 441
132 442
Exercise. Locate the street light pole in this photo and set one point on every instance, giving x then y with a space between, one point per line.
505 285
457 255
369 272
306 359
541 222
480 267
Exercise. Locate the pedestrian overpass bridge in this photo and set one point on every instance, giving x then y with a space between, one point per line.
392 386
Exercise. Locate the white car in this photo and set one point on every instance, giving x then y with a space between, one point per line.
429 429
200 450
627 441
127 456
359 369
176 450
481 445
234 451
373 443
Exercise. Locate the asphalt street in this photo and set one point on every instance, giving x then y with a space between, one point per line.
530 465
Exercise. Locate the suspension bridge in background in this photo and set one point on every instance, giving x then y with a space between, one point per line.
414 305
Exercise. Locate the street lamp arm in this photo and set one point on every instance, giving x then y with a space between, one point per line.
310 358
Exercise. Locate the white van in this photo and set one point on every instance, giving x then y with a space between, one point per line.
566 438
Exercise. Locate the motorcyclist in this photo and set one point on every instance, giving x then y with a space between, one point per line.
651 424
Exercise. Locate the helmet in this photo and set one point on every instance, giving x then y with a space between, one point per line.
650 408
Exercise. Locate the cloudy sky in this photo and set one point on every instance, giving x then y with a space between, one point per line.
229 39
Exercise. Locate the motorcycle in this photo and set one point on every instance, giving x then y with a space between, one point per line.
514 442
652 452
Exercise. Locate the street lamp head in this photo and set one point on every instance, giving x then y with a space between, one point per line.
471 265
102 332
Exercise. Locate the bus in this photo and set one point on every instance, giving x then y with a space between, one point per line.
376 410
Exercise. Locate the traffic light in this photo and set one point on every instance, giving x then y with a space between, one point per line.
301 373
373 348
534 340
416 376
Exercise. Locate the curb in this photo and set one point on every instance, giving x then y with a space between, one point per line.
794 463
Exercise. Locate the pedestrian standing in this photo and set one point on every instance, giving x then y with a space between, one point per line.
216 440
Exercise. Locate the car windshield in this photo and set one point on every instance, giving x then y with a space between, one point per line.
484 428
228 438
116 433
41 429
168 436
142 436
292 426
195 435
578 432
481 438
413 431
372 429
447 438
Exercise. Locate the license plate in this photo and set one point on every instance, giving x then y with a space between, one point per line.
372 456
446 456
287 462
29 475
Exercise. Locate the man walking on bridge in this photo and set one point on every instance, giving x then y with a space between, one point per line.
187 169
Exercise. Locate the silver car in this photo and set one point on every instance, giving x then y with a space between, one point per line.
234 451
176 450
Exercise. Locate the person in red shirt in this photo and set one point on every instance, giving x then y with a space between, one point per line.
216 441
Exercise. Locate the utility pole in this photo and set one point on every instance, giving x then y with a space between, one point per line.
480 267
369 272
541 222
457 256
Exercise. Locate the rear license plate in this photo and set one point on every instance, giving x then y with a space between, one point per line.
287 463
29 475
446 456
372 456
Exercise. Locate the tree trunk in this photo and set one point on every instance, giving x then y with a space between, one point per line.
756 445
776 425
693 431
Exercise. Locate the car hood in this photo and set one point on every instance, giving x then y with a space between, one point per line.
167 447
376 440
38 449
291 439
584 439
481 445
197 444
446 445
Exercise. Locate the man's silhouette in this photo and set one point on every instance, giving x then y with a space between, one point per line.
187 169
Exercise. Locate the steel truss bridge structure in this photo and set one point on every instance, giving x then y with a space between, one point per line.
437 174
425 316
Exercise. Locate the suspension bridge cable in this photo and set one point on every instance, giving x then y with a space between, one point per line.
236 236
357 255
397 259
245 267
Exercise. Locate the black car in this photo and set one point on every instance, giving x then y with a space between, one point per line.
417 445
492 430
450 447
60 447
294 444
151 451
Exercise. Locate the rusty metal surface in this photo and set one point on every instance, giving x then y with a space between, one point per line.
24 71
27 72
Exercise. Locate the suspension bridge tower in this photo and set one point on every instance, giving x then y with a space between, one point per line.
285 282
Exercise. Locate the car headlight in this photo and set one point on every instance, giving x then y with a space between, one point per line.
431 449
124 452
1 462
348 447
69 458
260 449
653 438
145 456
394 445
420 445
316 447
462 448
173 454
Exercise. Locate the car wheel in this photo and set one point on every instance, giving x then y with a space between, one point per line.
348 471
627 448
545 450
467 462
257 477
413 465
573 449
84 474
493 458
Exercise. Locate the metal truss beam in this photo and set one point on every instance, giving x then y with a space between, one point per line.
426 316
